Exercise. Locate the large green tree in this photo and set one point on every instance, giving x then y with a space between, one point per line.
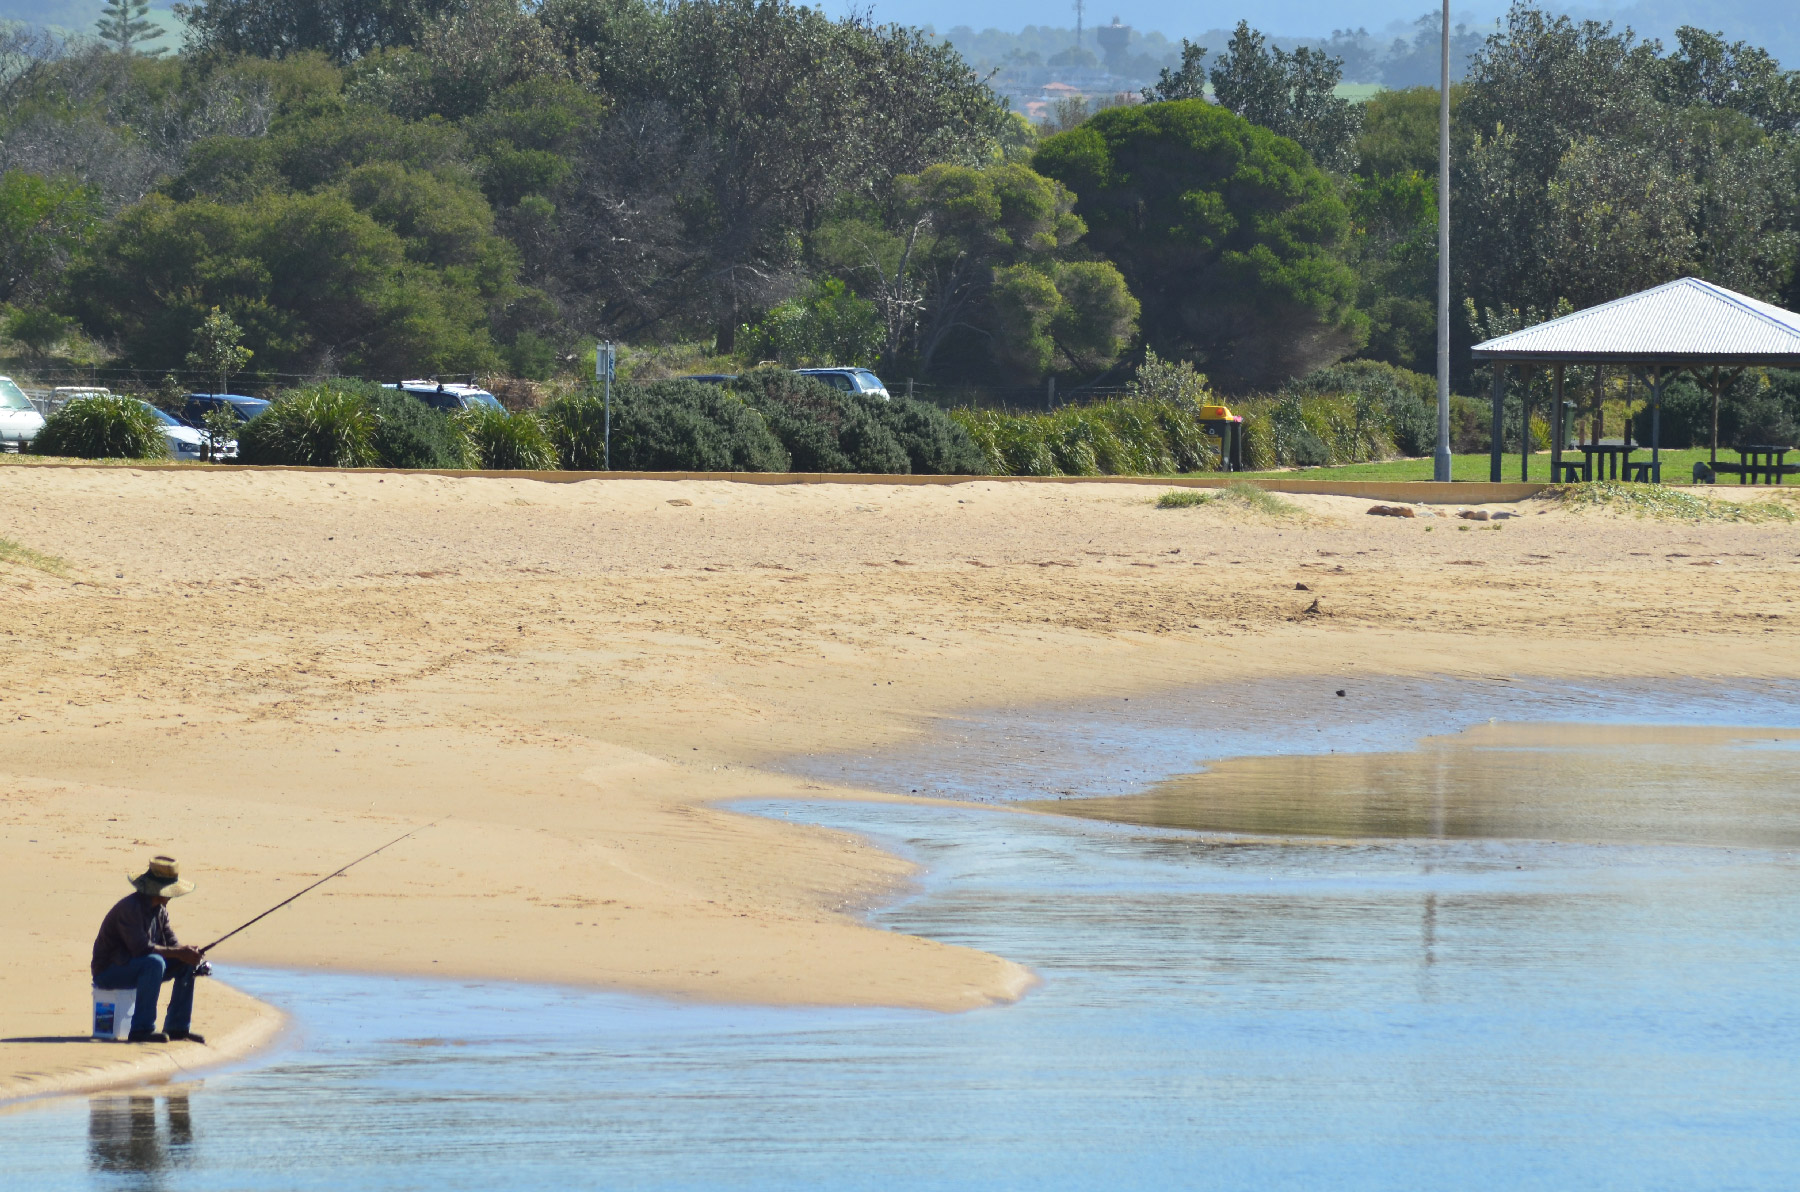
42 221
1230 237
316 284
1598 165
1291 93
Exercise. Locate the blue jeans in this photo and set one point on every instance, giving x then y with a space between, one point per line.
146 974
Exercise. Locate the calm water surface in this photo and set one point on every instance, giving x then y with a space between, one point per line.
1422 1010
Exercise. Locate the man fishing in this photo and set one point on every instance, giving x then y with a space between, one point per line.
137 949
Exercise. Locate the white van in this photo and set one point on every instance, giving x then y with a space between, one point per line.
19 420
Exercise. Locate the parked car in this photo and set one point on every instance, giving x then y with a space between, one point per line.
850 380
19 420
185 442
199 405
440 395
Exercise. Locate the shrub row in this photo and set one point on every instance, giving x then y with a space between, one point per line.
768 421
772 420
1122 438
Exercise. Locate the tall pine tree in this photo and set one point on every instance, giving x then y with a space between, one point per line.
125 25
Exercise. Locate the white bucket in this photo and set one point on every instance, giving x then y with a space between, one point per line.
113 1009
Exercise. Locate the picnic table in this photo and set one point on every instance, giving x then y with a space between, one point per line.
1758 463
1763 463
1608 459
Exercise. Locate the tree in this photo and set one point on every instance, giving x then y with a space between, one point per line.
218 348
1395 251
126 24
1062 315
316 284
40 330
1292 94
1232 240
1597 166
1624 219
739 126
978 221
344 30
1187 81
42 222
1705 70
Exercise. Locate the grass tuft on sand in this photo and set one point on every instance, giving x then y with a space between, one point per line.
1240 494
1665 504
24 556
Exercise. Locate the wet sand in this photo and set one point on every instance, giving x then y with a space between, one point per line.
1563 783
268 674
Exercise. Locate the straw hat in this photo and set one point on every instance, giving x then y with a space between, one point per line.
161 880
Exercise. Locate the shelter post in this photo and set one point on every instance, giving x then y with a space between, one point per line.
1556 431
1713 459
1497 435
1525 423
1656 388
1597 427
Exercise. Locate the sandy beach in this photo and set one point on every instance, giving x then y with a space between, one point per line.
267 674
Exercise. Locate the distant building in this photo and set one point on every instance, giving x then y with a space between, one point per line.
1113 39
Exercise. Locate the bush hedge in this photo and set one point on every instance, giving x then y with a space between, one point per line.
102 426
664 426
823 429
411 434
329 425
501 440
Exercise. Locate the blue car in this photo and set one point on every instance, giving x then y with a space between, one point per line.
451 398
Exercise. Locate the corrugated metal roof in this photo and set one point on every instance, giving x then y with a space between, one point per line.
1684 321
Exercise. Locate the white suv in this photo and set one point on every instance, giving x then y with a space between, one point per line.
850 380
19 420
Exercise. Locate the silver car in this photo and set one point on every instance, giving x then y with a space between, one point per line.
850 380
19 420
185 442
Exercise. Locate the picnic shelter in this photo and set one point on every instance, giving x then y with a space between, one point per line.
1687 325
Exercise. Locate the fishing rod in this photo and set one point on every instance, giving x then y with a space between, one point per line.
314 886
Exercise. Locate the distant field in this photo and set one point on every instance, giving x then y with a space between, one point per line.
1357 92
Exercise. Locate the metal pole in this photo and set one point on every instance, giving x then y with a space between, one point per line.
1440 470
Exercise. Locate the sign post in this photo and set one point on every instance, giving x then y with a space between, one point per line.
604 358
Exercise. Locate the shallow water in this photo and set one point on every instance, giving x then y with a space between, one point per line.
1670 784
1426 1012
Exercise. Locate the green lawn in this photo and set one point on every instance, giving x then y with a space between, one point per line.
1677 468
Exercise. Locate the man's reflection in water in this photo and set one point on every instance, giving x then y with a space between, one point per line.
125 1138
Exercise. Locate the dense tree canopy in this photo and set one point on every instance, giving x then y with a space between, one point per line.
1232 240
447 185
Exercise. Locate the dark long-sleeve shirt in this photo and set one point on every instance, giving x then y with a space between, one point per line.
131 928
